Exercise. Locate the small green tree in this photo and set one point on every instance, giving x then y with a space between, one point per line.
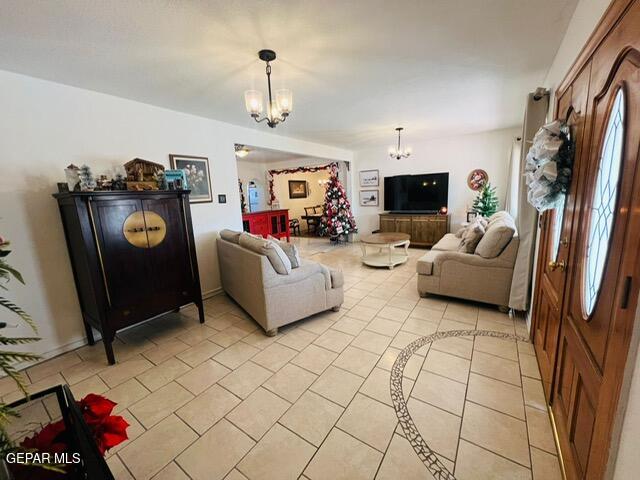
486 203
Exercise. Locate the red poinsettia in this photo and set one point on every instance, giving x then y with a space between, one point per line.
109 432
95 407
49 439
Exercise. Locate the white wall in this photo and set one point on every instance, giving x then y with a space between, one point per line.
46 126
296 206
456 155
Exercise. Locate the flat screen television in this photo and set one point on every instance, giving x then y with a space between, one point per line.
416 193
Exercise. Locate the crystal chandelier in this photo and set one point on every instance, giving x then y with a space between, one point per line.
397 152
277 110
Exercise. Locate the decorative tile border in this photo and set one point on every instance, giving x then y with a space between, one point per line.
428 456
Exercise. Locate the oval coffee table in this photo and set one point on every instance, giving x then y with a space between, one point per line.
386 256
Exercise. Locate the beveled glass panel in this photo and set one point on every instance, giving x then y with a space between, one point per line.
603 204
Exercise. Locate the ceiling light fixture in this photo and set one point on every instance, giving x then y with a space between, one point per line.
278 110
241 151
397 152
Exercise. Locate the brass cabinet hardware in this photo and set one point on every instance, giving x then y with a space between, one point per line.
144 229
561 265
564 242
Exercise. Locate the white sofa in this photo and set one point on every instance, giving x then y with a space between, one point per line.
275 299
444 270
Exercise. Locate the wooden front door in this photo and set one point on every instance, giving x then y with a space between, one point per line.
603 272
557 226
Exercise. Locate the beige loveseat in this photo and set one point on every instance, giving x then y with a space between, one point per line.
275 299
444 270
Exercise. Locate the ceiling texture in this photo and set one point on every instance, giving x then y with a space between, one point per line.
357 68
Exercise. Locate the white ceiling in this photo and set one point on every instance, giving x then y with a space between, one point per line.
357 68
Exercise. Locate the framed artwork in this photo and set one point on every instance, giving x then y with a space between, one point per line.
369 178
298 189
198 179
477 179
369 198
222 198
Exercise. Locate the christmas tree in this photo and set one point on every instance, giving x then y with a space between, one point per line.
486 203
337 219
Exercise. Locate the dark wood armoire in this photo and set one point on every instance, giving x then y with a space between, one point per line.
588 271
133 257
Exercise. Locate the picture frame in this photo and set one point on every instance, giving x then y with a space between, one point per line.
298 189
197 176
369 198
222 198
369 178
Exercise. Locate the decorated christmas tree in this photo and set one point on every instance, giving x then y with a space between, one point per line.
486 203
337 219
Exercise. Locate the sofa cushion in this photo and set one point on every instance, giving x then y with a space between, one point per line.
425 263
278 259
448 243
230 236
499 216
471 237
498 235
290 250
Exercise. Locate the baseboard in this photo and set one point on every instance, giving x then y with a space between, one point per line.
81 342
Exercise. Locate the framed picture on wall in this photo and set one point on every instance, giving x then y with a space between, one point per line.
196 170
369 198
298 189
369 178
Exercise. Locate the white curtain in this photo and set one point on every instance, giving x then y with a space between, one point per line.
511 201
527 216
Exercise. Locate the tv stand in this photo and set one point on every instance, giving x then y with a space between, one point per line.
425 229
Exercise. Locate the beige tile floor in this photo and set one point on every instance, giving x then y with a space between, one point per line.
222 400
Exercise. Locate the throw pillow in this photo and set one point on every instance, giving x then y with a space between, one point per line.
496 238
471 237
290 250
461 231
278 259
230 236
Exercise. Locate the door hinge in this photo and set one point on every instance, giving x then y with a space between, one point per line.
626 292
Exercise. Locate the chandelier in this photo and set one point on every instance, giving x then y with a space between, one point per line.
397 152
278 110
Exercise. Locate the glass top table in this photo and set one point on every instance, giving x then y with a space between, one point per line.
386 255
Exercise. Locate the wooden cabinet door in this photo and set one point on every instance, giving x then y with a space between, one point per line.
387 224
422 232
403 225
604 270
168 254
557 226
122 248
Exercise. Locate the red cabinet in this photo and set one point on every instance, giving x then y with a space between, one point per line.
267 222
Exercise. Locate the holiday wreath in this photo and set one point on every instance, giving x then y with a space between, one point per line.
548 165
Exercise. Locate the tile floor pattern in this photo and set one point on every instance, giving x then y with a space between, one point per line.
224 401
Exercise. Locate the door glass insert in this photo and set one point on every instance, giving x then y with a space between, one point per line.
603 205
557 227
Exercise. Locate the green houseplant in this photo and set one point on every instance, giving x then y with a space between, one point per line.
486 203
9 358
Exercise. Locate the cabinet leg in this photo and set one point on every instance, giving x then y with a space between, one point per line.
89 332
200 306
108 348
